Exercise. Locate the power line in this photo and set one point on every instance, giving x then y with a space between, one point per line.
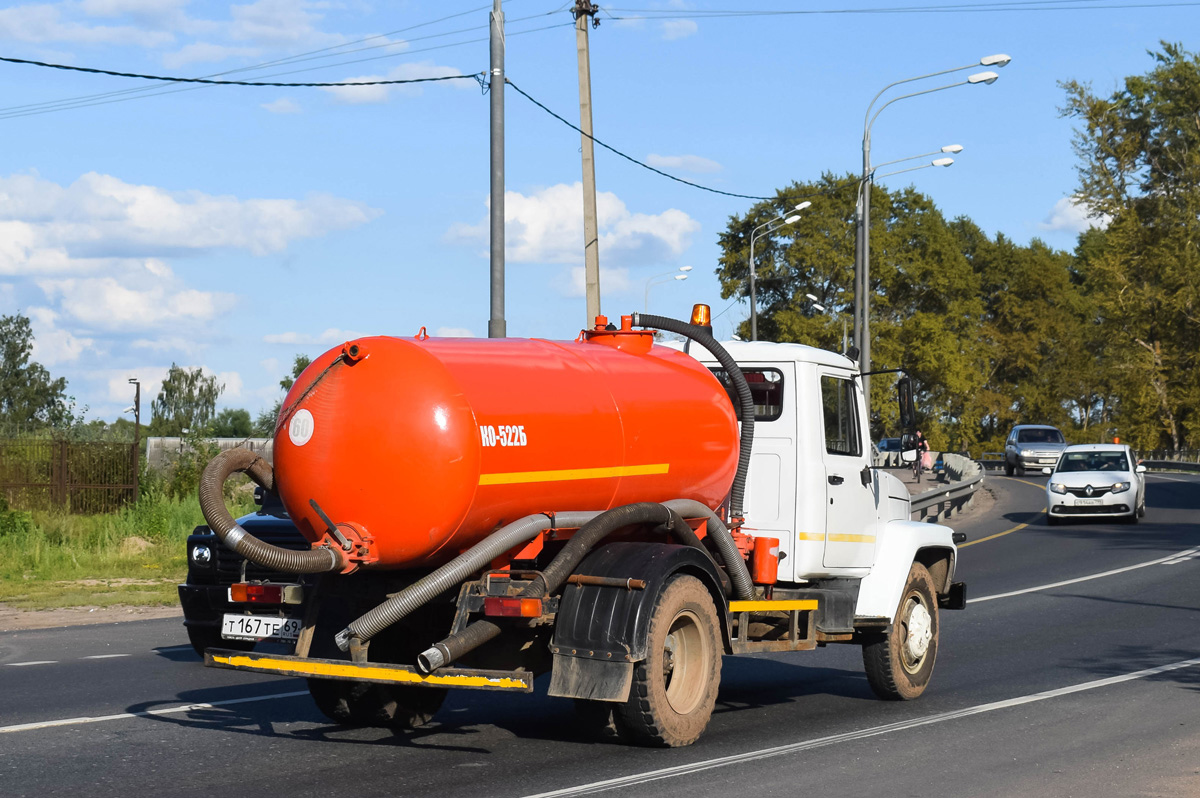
1015 5
209 82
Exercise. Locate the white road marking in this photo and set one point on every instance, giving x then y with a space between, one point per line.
1173 479
1169 559
862 734
47 724
105 656
33 662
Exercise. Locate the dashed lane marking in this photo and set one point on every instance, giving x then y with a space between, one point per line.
31 662
876 731
106 656
47 724
1178 556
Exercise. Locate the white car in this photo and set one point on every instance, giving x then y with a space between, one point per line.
1096 479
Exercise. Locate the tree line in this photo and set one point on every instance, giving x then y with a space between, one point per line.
1103 341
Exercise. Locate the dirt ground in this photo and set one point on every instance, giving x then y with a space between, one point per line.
12 619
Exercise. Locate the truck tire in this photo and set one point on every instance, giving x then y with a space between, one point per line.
204 637
675 688
899 664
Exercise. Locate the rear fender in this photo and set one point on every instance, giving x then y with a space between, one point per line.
902 544
600 632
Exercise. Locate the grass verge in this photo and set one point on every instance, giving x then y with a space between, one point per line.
134 556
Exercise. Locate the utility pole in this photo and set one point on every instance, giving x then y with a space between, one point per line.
137 437
584 11
497 327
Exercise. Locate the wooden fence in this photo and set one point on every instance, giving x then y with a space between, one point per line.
78 477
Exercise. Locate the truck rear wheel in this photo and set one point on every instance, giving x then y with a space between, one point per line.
675 688
900 664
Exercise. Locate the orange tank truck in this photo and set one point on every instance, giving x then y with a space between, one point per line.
417 448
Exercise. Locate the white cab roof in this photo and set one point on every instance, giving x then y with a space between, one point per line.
767 351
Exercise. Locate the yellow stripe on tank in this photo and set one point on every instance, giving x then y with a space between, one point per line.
567 474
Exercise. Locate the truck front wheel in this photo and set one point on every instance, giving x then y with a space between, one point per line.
675 688
900 664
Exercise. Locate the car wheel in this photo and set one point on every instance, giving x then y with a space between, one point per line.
1008 469
1020 471
1132 518
1141 510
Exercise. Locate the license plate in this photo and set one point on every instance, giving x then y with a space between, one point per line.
1048 461
1078 503
259 627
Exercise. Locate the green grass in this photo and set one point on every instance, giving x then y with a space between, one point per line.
134 556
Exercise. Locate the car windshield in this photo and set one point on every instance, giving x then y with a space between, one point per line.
1093 461
1039 436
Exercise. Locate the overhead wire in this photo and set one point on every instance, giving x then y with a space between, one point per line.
151 91
1013 5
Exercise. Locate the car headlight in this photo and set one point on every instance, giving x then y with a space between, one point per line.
1058 487
201 555
1120 487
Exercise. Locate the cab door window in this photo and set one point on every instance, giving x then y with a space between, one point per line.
840 412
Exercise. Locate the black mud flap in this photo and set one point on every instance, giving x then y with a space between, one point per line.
600 631
955 598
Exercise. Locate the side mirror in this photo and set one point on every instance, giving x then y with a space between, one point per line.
1047 470
908 412
1141 469
908 448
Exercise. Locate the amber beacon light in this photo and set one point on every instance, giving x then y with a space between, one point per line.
702 315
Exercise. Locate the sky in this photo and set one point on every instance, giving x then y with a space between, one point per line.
231 228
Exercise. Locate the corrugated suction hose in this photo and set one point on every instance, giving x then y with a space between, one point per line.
222 523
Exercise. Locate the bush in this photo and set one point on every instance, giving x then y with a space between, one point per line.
14 522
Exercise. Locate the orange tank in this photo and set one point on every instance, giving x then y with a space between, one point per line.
417 448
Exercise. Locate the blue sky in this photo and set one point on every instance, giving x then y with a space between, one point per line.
231 228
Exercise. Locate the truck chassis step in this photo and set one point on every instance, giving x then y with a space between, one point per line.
376 672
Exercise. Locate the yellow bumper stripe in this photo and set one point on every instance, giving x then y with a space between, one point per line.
772 606
837 538
563 475
350 670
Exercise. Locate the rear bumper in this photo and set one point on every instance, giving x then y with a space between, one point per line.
203 605
374 672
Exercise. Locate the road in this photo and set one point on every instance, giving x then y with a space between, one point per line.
1075 671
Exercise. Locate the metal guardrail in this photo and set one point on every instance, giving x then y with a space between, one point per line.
1171 465
965 475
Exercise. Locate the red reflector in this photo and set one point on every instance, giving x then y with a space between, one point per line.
243 593
515 607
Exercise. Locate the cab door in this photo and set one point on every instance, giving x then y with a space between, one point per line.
850 506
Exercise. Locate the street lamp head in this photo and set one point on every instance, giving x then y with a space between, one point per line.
802 205
128 409
983 77
941 162
791 219
811 297
685 268
954 148
681 277
133 380
998 60
818 308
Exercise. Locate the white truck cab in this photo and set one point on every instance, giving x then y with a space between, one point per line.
811 483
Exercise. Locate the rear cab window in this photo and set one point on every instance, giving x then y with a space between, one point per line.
766 388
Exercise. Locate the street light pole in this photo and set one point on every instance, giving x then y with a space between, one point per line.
137 436
862 274
497 326
656 280
795 217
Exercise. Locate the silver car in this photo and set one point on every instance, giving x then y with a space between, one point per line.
1096 479
1032 446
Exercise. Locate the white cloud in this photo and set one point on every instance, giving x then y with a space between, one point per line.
51 345
8 293
188 346
547 227
280 23
51 229
142 298
329 336
233 384
205 53
361 95
612 281
42 23
284 105
678 28
1069 214
454 332
151 377
684 163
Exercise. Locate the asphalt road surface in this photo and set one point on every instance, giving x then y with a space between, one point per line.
1074 671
